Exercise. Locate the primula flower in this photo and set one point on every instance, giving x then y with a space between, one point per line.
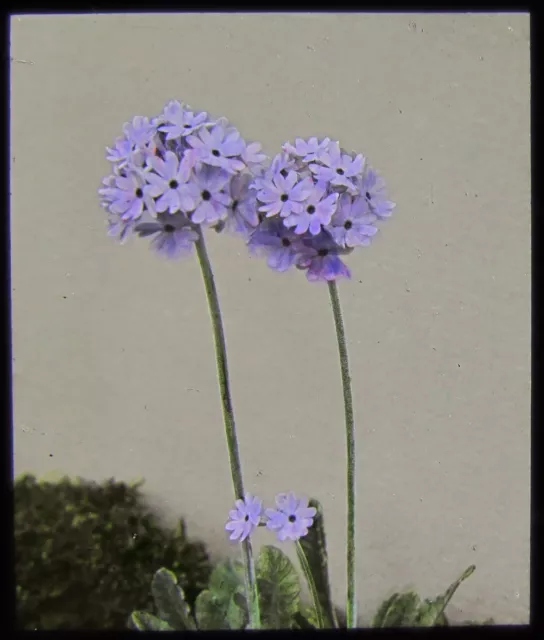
309 150
178 121
322 260
243 216
372 187
283 194
244 518
339 168
326 198
352 225
317 211
211 198
127 196
220 146
173 236
178 171
281 246
292 518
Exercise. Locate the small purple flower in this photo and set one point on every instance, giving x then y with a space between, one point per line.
119 228
309 150
322 261
244 518
284 195
210 197
140 131
351 225
121 151
317 210
281 247
340 168
292 518
169 184
252 156
127 196
177 121
373 188
219 147
172 235
242 216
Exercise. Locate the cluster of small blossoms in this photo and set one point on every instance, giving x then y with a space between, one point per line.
316 203
290 520
177 172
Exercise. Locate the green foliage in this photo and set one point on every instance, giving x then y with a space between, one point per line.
279 588
314 547
407 610
170 601
85 554
144 621
223 605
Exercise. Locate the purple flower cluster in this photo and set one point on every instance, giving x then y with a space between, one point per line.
315 203
178 171
291 518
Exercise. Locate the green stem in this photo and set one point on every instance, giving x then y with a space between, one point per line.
228 418
310 580
351 605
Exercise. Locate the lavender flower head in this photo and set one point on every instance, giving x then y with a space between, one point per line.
316 203
176 173
292 517
244 518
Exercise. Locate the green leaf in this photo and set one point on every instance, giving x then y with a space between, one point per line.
144 621
227 578
406 609
170 600
223 605
279 588
431 612
399 610
305 621
314 547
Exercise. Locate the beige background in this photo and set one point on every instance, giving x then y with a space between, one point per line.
113 362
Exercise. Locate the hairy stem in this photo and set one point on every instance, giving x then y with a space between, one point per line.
228 418
351 603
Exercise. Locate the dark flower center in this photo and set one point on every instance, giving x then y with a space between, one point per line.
284 173
206 195
323 252
234 205
284 197
139 193
310 209
348 224
340 172
215 153
169 228
173 184
292 518
186 126
368 196
286 242
246 518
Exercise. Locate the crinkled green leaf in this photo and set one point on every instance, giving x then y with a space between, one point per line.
170 600
397 611
431 612
223 605
144 621
314 547
279 588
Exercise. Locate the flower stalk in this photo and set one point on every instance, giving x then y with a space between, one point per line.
351 604
228 417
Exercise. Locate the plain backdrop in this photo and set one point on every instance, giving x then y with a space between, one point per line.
113 361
